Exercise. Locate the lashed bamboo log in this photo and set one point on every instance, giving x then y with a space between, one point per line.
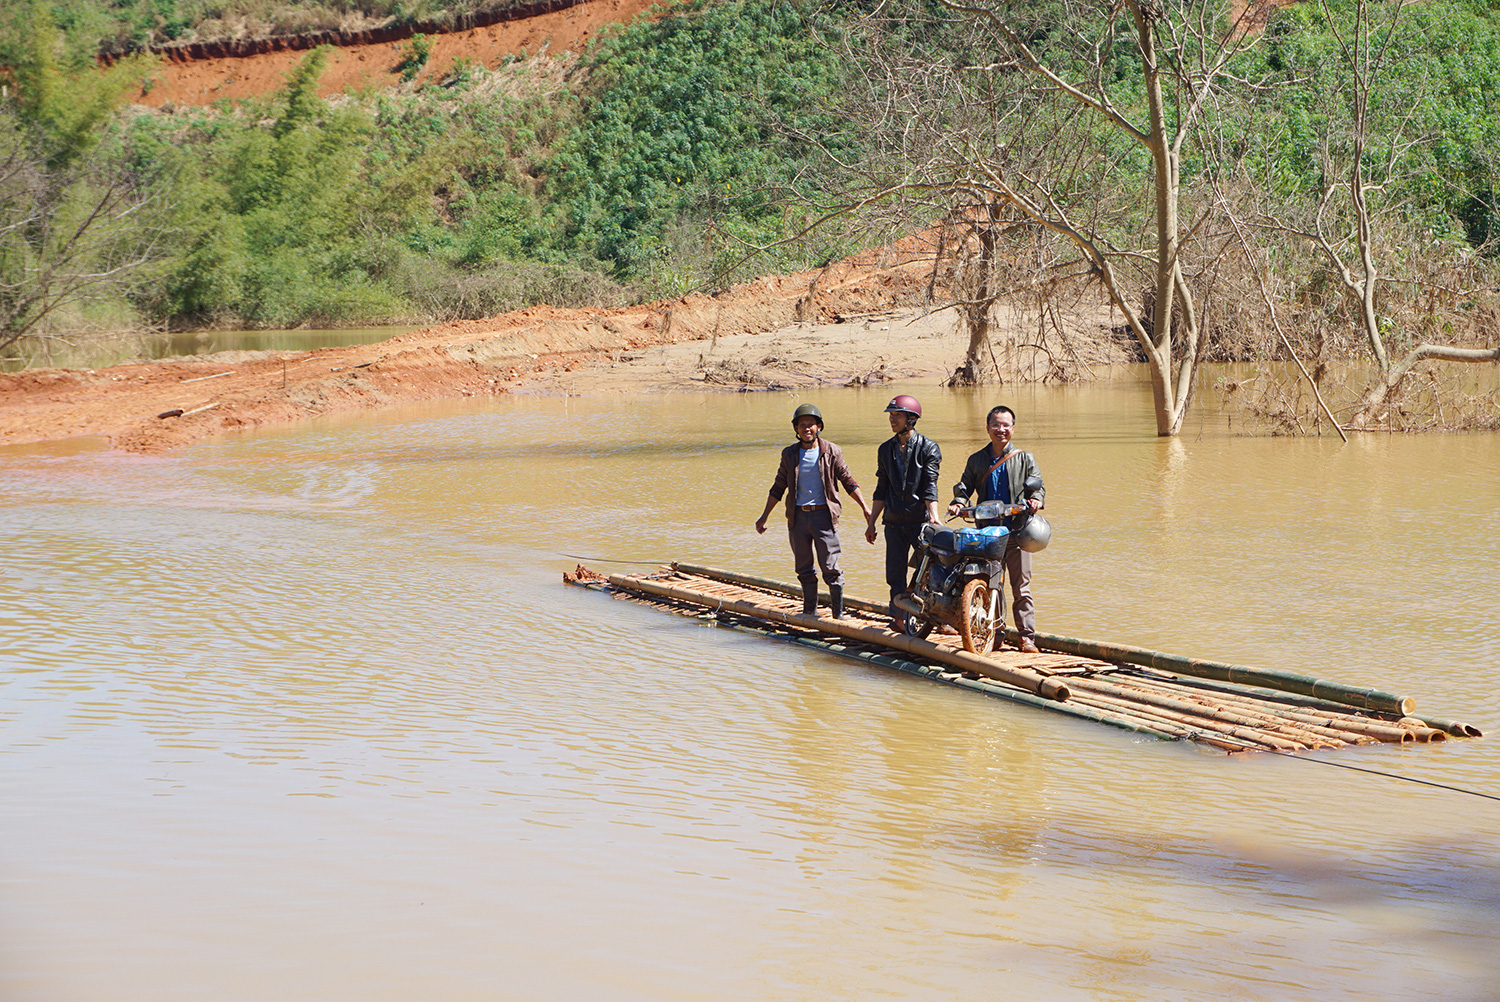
1307 685
1029 681
1318 719
1331 730
1382 731
1125 722
1225 715
989 687
767 584
1175 729
1311 735
1453 727
1395 731
1224 708
1315 713
1194 726
1255 694
1284 681
1238 725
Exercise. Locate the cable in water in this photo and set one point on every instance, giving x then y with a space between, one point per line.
1388 775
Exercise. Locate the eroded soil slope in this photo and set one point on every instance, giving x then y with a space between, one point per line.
367 67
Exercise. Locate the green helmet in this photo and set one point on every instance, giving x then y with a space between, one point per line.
804 411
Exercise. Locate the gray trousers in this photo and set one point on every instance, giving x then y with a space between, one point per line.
1018 570
812 534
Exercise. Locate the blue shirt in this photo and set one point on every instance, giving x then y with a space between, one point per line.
809 483
997 488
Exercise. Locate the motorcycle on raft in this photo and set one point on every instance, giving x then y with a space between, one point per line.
960 573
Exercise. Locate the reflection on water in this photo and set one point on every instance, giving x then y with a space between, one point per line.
309 715
99 351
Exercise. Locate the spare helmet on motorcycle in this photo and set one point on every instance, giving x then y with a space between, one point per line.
1034 536
804 411
905 403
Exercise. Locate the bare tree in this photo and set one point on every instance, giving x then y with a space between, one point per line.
1365 163
1040 116
70 233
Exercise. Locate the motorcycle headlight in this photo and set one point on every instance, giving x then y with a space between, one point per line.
990 511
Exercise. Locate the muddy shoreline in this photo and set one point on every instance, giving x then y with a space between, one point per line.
860 321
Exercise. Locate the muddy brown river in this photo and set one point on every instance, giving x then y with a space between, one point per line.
310 716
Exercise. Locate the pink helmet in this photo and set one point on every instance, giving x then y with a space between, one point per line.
905 403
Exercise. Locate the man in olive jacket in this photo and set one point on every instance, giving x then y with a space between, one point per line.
998 472
906 492
810 473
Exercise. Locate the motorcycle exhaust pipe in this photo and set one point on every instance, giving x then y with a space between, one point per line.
909 604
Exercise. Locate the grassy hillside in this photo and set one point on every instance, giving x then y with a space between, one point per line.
690 149
639 170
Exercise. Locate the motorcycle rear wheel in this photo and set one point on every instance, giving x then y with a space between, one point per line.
918 627
974 626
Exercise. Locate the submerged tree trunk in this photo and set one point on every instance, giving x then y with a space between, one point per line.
980 302
1171 390
1372 408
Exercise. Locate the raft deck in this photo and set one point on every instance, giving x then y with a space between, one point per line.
1233 708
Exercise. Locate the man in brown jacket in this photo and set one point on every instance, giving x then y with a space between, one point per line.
812 469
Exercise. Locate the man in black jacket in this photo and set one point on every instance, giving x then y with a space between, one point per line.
906 492
998 472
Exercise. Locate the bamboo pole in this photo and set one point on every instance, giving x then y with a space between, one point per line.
1453 727
1072 709
1191 723
1254 693
1311 735
1195 710
988 687
1286 711
1285 681
1178 730
1332 720
1263 731
1421 730
1174 723
767 584
1306 708
1028 681
1335 721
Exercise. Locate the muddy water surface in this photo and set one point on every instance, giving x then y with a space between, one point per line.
311 716
98 351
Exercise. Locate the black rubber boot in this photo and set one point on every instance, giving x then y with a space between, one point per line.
836 600
809 600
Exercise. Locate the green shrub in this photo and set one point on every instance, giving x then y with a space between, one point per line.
413 57
704 114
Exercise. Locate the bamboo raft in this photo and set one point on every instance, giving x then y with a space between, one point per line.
1229 707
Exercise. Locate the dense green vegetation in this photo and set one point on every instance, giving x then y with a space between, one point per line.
485 193
657 163
698 121
1434 111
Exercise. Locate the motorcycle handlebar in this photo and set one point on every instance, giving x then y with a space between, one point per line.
968 513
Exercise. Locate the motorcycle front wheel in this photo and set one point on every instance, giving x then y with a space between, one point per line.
974 626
